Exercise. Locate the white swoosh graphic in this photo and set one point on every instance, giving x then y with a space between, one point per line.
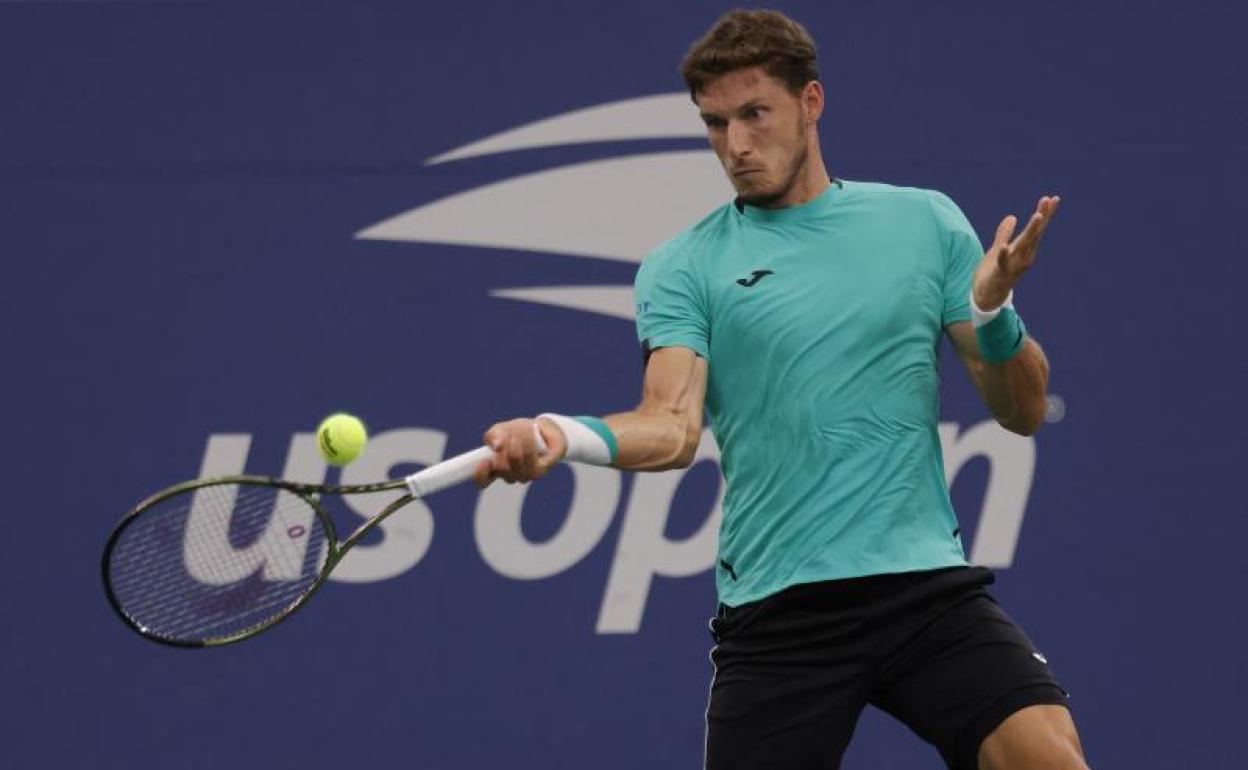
614 301
646 117
615 209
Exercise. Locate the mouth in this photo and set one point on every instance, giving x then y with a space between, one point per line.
747 172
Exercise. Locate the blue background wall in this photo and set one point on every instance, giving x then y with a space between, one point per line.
181 189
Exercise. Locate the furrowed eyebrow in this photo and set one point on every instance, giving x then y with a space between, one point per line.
707 117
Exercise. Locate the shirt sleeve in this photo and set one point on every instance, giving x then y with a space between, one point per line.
671 308
963 251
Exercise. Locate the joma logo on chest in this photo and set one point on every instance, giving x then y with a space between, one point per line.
754 278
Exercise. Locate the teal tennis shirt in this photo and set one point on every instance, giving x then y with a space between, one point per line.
820 325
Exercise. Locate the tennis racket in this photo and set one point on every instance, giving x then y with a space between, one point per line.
218 560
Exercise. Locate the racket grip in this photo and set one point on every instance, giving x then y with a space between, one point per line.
447 473
459 468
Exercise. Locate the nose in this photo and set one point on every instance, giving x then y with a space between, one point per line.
738 140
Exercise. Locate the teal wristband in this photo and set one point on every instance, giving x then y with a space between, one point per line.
1001 338
604 432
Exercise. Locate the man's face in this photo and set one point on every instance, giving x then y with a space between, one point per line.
758 130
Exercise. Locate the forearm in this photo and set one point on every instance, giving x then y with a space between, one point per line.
654 439
662 432
1015 390
1011 379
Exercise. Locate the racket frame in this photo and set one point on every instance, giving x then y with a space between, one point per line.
309 493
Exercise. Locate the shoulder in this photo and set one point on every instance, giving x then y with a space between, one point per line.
931 206
900 196
685 248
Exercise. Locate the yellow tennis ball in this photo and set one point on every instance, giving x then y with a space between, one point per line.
341 438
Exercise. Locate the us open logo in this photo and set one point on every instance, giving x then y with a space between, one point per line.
574 210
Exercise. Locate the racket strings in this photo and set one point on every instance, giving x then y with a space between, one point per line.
216 561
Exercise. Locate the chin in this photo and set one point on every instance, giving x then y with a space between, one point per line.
759 197
751 193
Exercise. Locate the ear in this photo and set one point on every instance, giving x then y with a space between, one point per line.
812 100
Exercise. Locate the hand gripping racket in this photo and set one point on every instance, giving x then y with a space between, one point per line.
219 560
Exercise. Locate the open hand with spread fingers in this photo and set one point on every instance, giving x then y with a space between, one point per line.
1006 260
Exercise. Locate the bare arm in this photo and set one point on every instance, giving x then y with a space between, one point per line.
662 432
1014 390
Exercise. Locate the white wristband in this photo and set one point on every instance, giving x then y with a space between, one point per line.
984 317
584 445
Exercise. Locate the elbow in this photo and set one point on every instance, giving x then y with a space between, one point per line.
1025 423
685 458
689 447
1020 428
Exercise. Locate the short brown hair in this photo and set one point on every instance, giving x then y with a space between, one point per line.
761 38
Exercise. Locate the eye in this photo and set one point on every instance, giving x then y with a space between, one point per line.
714 123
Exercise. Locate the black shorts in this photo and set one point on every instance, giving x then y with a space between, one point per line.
794 671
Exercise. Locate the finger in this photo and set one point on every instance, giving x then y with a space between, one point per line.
514 449
516 460
547 461
1004 231
1039 221
532 467
500 465
526 450
1049 207
542 463
481 476
493 438
556 444
1030 235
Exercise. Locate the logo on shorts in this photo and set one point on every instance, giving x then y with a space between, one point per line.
1040 658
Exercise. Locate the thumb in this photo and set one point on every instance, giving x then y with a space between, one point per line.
556 442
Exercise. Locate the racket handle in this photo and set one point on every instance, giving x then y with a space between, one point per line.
447 473
458 469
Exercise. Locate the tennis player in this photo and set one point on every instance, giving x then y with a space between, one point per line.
806 316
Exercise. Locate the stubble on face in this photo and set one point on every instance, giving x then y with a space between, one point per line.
765 199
